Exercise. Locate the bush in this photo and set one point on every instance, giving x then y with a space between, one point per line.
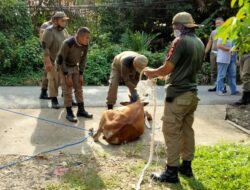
154 59
137 41
15 19
29 55
6 53
203 77
99 64
19 48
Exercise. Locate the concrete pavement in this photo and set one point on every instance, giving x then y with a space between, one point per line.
27 136
27 97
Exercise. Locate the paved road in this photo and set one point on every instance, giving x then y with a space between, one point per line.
27 97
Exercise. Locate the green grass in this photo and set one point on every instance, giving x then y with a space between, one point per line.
223 166
21 79
219 167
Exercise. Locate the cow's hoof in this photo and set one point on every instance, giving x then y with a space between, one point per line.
96 139
148 115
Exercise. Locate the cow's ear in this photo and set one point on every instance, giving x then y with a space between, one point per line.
145 103
125 103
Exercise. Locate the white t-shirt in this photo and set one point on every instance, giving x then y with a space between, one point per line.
223 56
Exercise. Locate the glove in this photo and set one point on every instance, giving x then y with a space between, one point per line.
134 97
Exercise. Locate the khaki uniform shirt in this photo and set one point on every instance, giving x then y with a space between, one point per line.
124 62
52 40
72 54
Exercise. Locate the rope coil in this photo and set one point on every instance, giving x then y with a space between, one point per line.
148 88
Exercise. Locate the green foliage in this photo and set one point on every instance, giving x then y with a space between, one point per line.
29 55
15 19
203 77
154 59
19 49
113 21
99 64
237 28
137 41
21 78
223 166
6 53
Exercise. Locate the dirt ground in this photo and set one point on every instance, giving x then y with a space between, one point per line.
239 115
119 171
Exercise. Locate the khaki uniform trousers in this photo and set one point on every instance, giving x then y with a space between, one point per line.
213 63
114 81
67 91
53 81
177 128
44 80
245 74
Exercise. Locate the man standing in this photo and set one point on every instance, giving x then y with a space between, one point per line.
183 61
72 60
52 39
245 77
126 67
44 94
212 43
226 63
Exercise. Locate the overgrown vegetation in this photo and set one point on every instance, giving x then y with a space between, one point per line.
114 28
19 48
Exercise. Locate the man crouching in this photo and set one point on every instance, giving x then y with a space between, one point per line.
126 67
72 61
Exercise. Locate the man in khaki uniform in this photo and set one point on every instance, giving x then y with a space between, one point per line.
52 39
72 60
245 77
44 87
126 67
183 62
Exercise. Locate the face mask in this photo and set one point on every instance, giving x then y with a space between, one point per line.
177 33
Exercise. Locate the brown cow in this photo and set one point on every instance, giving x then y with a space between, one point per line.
124 124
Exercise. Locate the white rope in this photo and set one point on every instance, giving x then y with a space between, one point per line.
143 89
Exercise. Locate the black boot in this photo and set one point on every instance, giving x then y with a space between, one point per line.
70 115
170 175
44 94
110 106
212 89
225 89
82 112
245 99
54 103
186 169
